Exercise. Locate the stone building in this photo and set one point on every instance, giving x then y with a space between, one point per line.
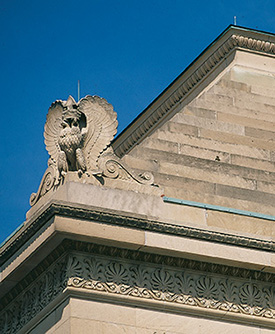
168 228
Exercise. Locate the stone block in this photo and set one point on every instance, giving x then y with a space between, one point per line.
230 83
199 112
116 199
240 108
207 174
236 139
97 311
208 251
263 91
184 183
152 322
212 124
267 187
204 153
243 224
243 94
134 162
244 194
179 148
259 133
229 88
65 328
182 215
161 145
217 98
252 163
253 105
212 166
186 129
251 77
229 202
211 104
84 326
212 144
246 121
96 232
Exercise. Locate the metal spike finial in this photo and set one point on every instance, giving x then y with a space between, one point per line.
78 90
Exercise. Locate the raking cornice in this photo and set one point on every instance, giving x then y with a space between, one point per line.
231 39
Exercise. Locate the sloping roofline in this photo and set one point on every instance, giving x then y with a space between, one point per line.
232 38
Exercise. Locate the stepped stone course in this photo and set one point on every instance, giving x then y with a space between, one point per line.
220 144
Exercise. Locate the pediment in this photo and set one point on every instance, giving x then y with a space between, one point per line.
235 44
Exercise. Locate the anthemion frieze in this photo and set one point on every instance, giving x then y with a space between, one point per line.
104 272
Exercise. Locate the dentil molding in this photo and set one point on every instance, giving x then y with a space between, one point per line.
156 112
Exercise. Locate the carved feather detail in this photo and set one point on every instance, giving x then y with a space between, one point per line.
101 128
78 137
52 129
95 136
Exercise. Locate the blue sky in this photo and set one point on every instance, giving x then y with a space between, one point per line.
125 51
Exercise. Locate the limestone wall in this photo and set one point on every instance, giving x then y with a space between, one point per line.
83 316
219 148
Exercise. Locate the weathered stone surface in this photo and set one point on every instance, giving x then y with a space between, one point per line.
77 138
224 137
252 163
103 251
247 121
211 143
204 123
101 273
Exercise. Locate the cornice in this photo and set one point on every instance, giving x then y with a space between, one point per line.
90 249
111 273
125 220
163 105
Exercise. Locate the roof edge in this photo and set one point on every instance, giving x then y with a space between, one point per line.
233 37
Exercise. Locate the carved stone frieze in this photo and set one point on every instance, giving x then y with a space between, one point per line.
147 277
180 286
34 298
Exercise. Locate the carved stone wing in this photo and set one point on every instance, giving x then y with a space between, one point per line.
101 128
52 129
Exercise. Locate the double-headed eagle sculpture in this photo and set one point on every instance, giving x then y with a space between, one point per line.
77 138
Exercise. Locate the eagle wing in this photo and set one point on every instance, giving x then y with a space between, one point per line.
101 128
52 129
